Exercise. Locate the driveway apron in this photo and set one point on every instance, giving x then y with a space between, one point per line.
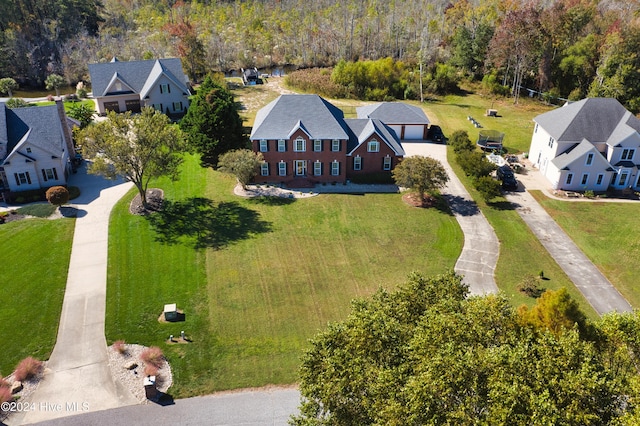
481 249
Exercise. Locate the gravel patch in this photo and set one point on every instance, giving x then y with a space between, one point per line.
132 378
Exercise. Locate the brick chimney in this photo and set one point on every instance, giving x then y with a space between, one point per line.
66 130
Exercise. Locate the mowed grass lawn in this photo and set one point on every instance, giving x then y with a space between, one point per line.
35 261
273 273
607 233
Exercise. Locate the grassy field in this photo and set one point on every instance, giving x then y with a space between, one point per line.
35 260
607 234
262 276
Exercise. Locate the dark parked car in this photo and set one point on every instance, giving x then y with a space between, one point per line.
435 134
506 176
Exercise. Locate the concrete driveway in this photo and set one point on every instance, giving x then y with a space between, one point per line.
595 287
481 249
79 359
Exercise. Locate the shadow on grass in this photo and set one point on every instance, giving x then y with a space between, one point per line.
503 205
269 200
202 224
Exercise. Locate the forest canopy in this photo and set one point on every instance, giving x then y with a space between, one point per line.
564 48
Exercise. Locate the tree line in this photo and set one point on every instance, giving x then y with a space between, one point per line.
562 48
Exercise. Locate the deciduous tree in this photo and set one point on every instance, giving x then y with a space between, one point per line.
242 163
57 195
137 147
421 174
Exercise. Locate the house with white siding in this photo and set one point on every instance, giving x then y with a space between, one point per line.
36 147
592 145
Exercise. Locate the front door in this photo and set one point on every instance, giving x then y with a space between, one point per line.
301 167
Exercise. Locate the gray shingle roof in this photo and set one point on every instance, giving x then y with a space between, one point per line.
319 118
136 74
393 113
361 129
594 119
44 123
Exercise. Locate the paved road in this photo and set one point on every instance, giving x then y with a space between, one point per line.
481 249
79 359
247 408
595 287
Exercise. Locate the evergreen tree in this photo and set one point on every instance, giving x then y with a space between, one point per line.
212 123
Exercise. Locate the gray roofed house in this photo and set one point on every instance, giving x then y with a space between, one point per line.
305 140
592 145
35 147
408 121
128 86
319 118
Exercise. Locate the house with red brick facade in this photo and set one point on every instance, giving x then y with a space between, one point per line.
306 140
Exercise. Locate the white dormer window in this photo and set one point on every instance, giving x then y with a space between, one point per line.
118 86
373 146
627 154
299 145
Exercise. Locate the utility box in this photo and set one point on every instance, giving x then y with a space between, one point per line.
171 312
150 390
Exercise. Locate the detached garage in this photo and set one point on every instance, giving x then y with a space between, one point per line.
407 121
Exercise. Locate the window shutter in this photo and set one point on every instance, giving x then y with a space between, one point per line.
55 173
44 175
28 178
17 179
168 88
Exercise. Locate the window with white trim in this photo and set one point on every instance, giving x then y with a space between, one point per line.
317 145
282 147
317 168
386 164
264 169
335 145
49 174
264 146
569 178
357 163
165 88
22 178
157 107
589 159
335 168
373 146
585 179
599 179
627 154
299 145
282 168
623 178
550 142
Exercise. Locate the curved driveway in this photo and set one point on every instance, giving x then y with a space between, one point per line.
481 249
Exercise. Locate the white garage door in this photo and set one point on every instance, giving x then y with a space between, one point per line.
397 129
415 132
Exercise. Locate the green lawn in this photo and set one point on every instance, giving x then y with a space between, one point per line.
607 234
521 253
273 273
35 261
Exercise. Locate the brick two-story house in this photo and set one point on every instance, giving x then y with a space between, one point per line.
306 140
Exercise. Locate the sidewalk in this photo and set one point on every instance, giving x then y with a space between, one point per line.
79 359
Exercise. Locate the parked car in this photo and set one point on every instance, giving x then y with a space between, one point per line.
435 134
506 176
